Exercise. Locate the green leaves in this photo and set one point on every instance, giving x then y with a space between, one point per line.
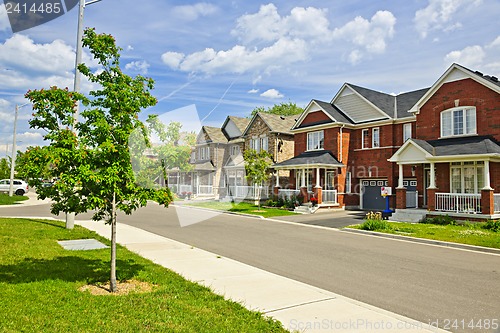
91 167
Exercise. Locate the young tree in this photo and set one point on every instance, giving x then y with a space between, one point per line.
4 168
257 166
283 109
93 168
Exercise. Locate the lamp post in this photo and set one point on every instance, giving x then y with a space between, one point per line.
14 147
70 217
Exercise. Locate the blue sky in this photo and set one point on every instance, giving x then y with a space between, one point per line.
228 57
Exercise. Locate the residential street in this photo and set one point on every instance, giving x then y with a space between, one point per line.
427 283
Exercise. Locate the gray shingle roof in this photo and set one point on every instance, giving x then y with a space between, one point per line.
215 134
476 145
320 157
240 122
277 123
333 111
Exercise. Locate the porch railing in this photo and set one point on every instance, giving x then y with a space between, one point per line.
205 189
329 196
248 192
185 188
287 193
411 199
458 202
496 202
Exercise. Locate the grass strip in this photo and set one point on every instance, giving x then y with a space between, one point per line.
6 200
40 281
241 207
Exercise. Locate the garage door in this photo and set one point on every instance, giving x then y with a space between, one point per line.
371 198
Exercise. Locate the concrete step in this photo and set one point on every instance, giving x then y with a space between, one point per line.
302 209
408 215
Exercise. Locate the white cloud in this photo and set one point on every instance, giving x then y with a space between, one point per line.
470 56
269 41
438 15
272 93
371 35
193 12
253 91
4 19
495 43
30 137
140 66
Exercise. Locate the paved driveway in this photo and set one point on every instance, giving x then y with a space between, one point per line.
329 219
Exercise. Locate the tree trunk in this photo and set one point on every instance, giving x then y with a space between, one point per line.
112 281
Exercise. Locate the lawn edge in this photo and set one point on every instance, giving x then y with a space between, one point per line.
490 250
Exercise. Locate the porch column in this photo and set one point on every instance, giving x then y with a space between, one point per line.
303 187
487 202
318 190
400 179
432 181
487 178
277 186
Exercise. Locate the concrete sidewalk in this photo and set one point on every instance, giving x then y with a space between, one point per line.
300 307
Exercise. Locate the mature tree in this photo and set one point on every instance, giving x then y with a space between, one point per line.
257 166
283 109
4 168
93 168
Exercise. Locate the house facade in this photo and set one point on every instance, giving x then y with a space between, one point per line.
363 140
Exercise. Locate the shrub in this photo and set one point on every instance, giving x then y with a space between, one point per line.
375 224
441 220
492 225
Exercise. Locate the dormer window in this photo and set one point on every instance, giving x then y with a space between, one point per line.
315 140
458 121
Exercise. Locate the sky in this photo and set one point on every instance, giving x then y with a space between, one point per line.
220 58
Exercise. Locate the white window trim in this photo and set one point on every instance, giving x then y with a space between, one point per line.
364 133
452 130
316 143
405 127
376 144
348 182
462 165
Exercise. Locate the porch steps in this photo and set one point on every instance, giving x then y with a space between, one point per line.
305 209
408 215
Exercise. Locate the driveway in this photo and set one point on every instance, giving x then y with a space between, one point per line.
329 219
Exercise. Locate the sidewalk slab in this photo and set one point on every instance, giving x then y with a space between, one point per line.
300 307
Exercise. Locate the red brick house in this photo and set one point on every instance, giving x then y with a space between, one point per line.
363 140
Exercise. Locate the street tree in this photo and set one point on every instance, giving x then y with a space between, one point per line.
282 109
93 169
257 165
4 168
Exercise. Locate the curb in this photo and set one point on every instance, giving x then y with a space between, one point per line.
475 248
220 211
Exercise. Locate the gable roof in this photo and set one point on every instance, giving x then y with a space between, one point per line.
317 158
215 134
275 123
447 149
457 72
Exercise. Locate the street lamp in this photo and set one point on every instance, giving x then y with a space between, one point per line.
14 153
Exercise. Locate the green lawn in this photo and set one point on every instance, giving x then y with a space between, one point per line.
6 200
241 207
39 283
468 233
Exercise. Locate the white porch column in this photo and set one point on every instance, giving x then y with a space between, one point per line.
432 181
487 178
303 179
317 178
277 178
400 179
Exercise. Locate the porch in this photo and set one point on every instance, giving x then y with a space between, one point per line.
456 177
317 176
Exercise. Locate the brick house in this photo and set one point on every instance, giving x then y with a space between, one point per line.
364 140
455 152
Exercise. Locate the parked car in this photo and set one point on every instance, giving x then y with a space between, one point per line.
20 187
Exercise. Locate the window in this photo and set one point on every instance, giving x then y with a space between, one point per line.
458 121
255 144
406 132
365 139
235 150
264 143
466 177
375 137
308 178
259 143
348 182
204 153
315 140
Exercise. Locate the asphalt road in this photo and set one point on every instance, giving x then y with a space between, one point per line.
454 288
